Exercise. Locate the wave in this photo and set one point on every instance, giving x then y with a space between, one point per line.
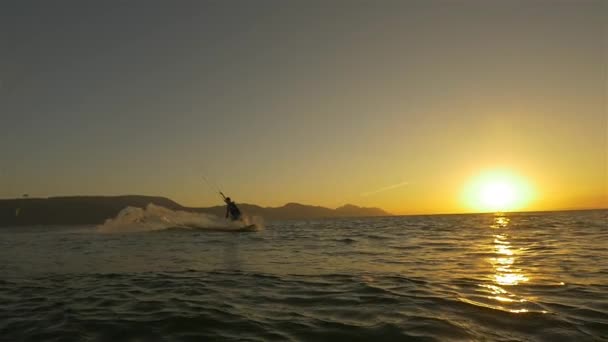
222 305
154 218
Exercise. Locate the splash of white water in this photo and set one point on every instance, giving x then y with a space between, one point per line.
154 217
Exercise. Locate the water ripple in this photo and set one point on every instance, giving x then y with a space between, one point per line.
524 277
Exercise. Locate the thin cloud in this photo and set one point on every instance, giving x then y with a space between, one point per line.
386 188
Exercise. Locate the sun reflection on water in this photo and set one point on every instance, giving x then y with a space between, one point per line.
504 271
503 286
505 276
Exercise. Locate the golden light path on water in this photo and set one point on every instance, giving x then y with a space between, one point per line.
503 263
499 292
506 274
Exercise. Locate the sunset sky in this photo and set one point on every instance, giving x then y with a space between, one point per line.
412 106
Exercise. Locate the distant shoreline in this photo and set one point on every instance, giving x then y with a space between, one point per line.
94 210
86 210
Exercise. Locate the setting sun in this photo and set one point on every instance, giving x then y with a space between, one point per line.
497 191
497 195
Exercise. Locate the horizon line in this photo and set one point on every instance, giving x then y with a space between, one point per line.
313 205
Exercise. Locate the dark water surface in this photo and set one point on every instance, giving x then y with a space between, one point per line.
516 277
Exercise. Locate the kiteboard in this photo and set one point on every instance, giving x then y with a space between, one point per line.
248 228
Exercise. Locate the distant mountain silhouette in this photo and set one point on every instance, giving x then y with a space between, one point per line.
87 210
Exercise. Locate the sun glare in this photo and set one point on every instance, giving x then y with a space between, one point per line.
496 191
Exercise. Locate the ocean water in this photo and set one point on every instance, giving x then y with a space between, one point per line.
510 277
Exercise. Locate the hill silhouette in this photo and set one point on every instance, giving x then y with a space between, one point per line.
88 210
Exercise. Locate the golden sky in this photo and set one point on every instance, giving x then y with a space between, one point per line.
412 106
